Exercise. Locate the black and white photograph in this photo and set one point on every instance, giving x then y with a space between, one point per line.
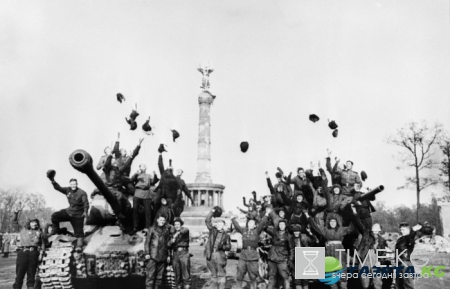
239 144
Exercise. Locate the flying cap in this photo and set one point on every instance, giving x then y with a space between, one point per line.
120 97
217 212
314 118
335 133
363 176
244 146
161 148
132 123
175 134
332 124
146 126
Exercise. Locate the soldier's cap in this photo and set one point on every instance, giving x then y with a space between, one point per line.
146 126
332 124
161 148
295 228
134 114
278 175
363 176
244 146
349 161
178 219
335 133
313 118
51 174
258 203
120 97
299 193
175 134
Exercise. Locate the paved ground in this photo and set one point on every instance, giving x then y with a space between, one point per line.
7 271
200 274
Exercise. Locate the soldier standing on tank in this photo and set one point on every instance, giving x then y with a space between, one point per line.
76 213
179 203
181 258
218 242
29 253
157 252
168 185
142 197
348 177
248 258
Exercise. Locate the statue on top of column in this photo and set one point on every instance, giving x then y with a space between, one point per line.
205 71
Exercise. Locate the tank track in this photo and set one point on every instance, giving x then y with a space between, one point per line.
56 267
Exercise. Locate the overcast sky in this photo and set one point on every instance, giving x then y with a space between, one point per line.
370 65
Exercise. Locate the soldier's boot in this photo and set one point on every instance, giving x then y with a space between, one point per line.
80 244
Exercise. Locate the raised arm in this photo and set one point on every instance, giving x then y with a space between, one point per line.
243 211
236 225
57 187
286 200
269 184
320 231
208 220
15 221
245 202
262 224
355 223
160 164
155 179
107 166
129 161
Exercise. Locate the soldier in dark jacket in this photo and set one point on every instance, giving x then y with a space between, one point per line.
181 258
29 253
156 250
405 243
168 185
275 191
248 258
298 241
218 242
76 213
281 254
375 241
348 177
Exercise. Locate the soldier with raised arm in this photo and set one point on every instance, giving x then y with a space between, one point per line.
30 251
218 242
248 258
76 213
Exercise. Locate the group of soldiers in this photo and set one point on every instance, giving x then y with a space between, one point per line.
303 211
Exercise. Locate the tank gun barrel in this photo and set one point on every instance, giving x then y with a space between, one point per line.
370 195
82 162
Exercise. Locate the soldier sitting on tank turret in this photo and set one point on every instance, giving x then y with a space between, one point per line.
76 213
113 174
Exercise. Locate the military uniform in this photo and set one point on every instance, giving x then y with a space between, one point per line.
156 245
348 179
281 255
181 258
405 243
31 243
218 242
248 258
78 205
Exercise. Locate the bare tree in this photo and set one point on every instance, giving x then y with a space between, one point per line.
32 205
444 166
417 141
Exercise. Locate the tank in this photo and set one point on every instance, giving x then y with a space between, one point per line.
110 257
